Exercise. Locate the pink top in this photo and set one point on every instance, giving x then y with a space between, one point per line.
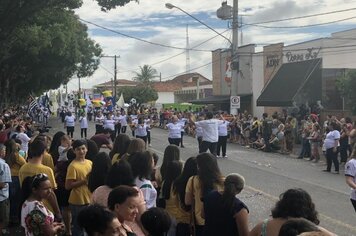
100 196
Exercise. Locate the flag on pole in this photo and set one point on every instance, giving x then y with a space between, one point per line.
32 106
121 102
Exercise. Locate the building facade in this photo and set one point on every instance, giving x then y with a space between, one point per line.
304 75
284 77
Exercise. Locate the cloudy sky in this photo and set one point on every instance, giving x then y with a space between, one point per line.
151 21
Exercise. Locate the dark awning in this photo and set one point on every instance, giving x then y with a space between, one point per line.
218 99
289 80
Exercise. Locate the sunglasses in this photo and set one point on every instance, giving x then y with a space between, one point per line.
38 177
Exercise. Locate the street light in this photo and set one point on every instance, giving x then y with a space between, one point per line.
224 14
171 6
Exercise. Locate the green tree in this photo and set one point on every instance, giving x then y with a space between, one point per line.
146 74
43 45
142 94
347 88
43 50
107 5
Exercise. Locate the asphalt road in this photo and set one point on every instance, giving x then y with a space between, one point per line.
267 176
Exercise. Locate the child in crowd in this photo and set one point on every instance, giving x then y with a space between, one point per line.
60 175
64 147
275 143
259 143
77 182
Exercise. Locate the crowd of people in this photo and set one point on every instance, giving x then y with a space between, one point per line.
58 185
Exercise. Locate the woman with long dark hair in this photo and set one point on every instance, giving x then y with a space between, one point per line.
209 178
224 213
174 169
293 203
99 171
56 142
35 217
136 145
142 167
178 194
120 147
171 153
93 150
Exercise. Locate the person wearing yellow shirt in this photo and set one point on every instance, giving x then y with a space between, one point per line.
208 178
47 159
77 182
34 166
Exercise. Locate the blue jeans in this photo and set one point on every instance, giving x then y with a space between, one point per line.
75 209
305 152
331 157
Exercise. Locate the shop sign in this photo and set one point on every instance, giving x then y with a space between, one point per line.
272 61
312 53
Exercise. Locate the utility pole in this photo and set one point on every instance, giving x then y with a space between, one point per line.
79 91
187 66
241 34
225 12
234 59
115 79
115 72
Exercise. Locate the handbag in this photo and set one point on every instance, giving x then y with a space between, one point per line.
192 214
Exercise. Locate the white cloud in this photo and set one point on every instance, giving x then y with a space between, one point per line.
152 21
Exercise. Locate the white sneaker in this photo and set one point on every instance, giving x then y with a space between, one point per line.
149 145
225 156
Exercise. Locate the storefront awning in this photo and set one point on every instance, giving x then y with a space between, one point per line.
218 99
288 82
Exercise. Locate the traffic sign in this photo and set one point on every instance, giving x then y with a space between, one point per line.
235 102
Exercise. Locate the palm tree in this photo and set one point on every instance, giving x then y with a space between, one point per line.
146 75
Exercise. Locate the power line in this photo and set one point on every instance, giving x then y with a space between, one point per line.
167 77
106 69
300 26
171 57
263 54
269 52
298 49
302 17
139 39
